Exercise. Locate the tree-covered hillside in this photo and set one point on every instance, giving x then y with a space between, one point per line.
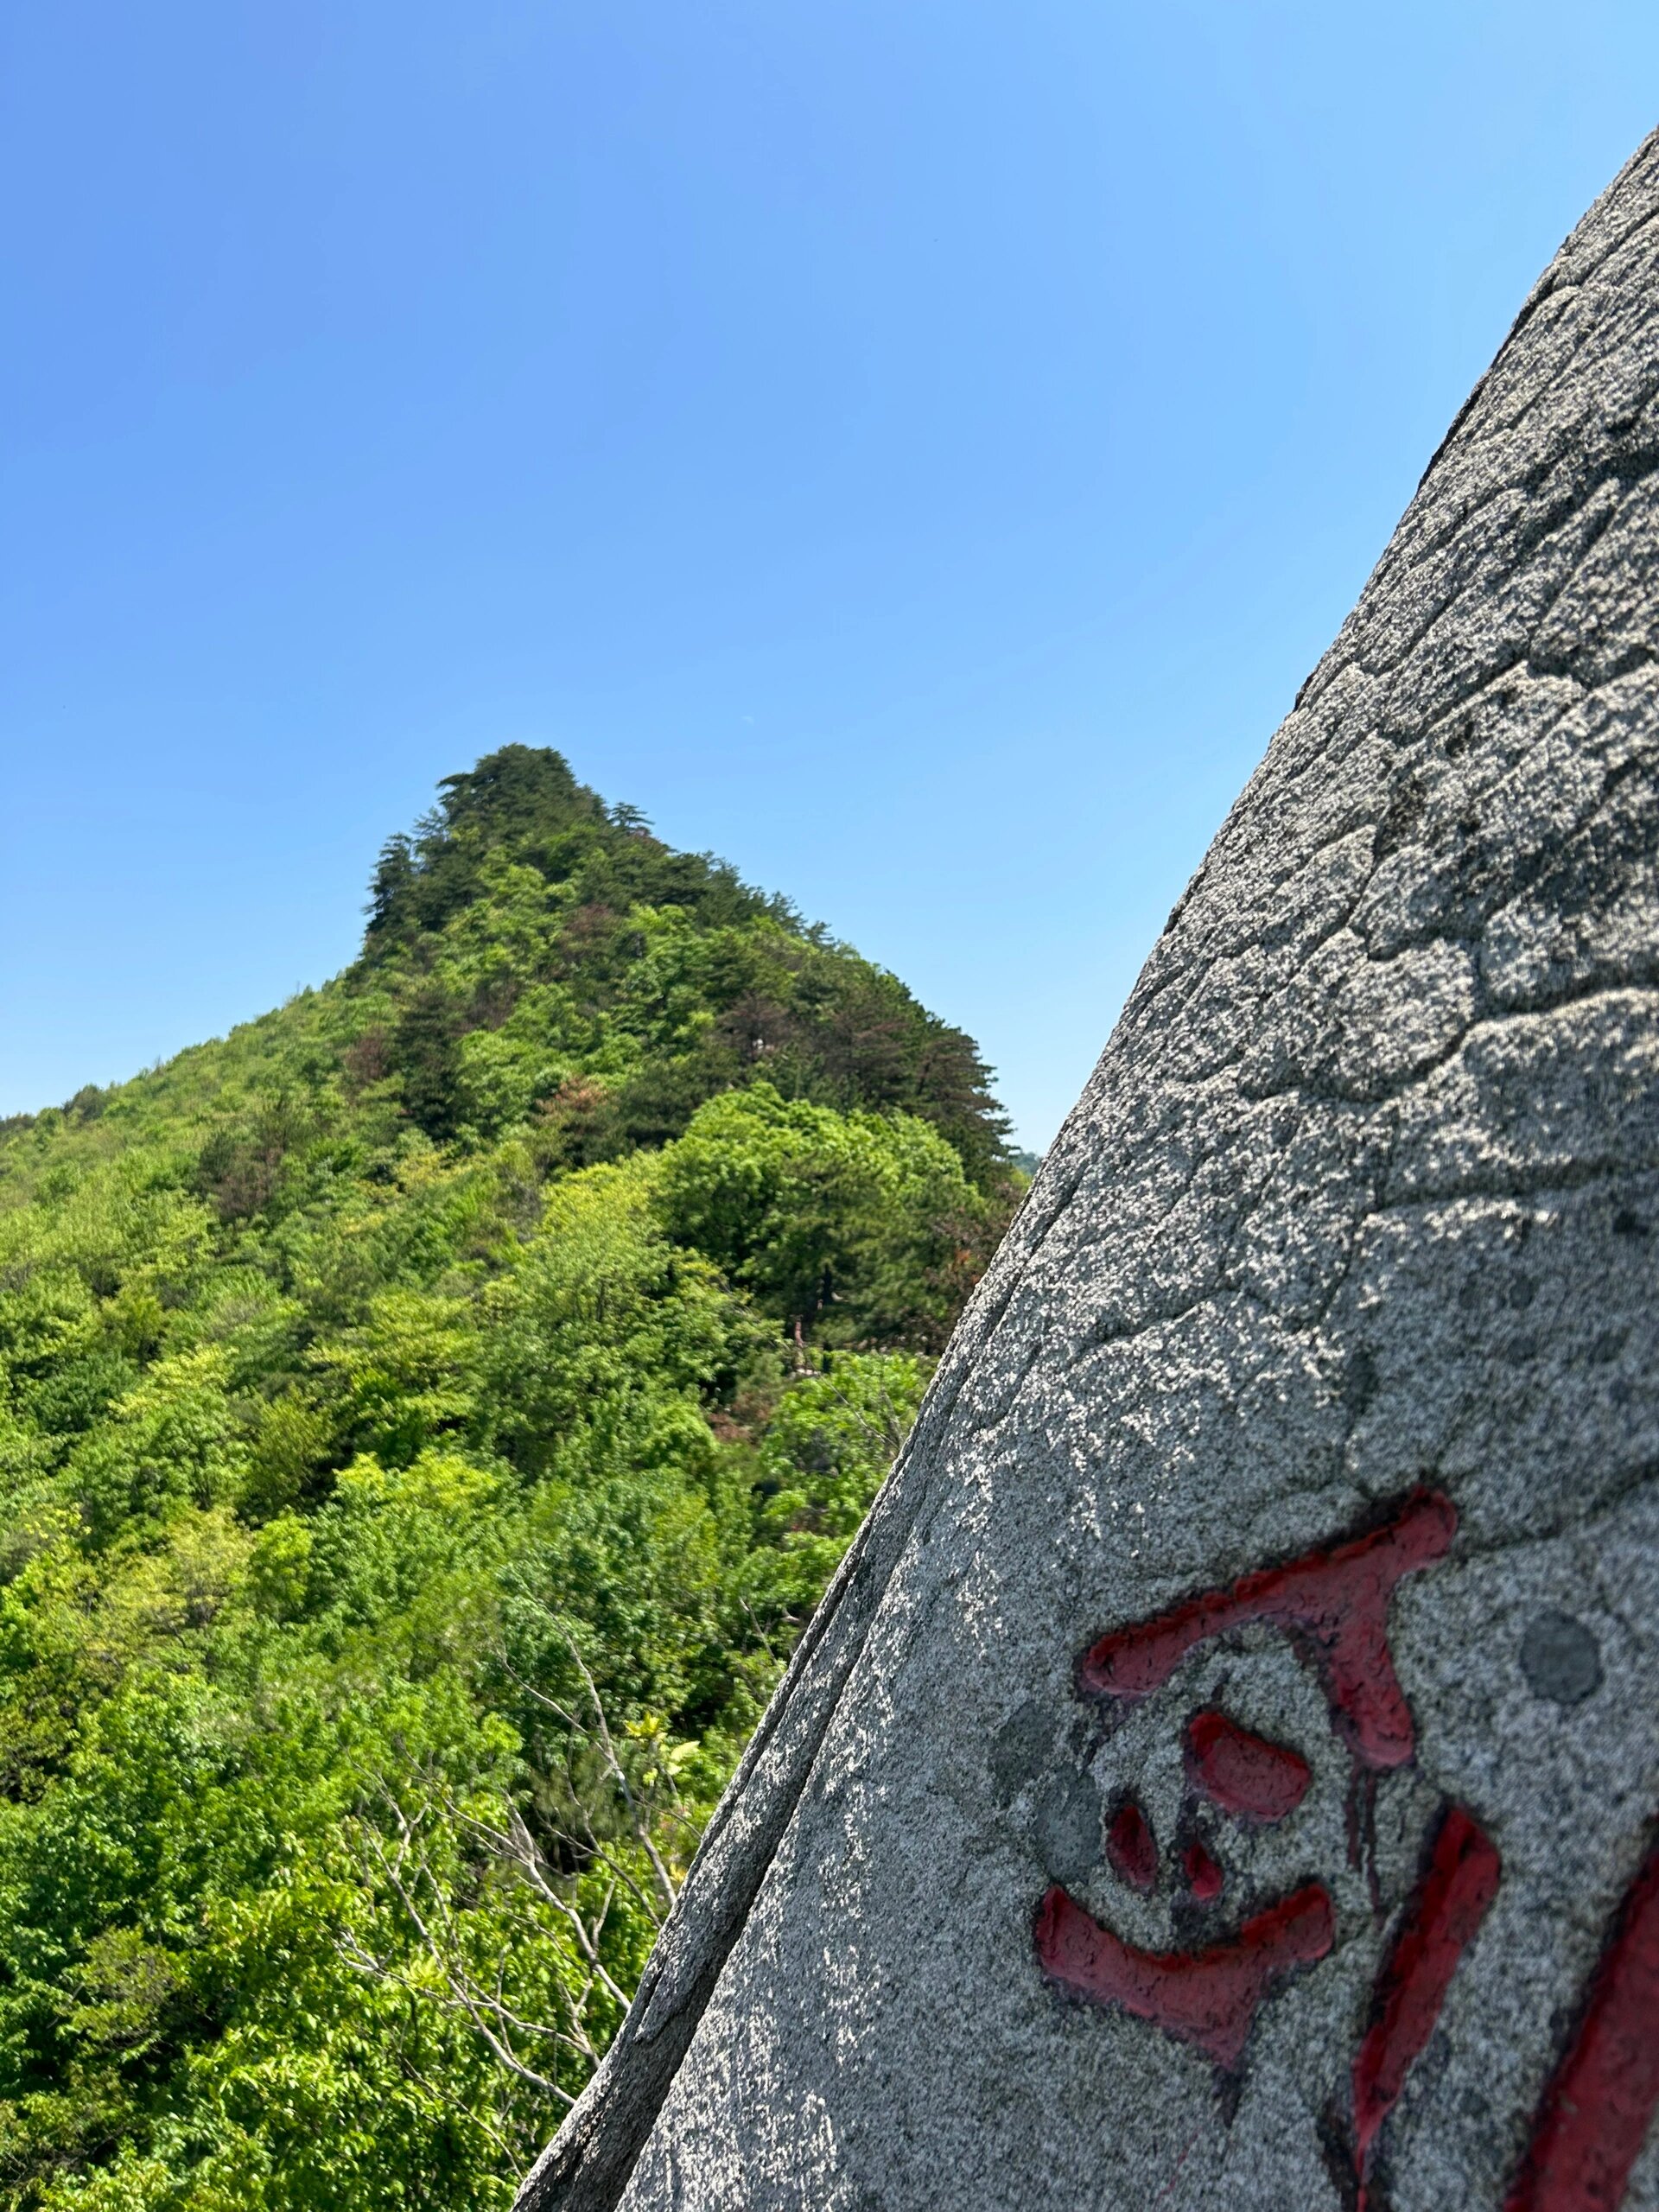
427 1418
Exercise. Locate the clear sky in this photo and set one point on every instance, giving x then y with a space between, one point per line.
914 448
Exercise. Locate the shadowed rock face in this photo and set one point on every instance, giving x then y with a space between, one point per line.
1224 1772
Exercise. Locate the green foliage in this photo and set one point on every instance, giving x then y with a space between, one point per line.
821 1461
428 1416
530 947
861 1227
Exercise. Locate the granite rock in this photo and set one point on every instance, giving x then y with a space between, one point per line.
1300 1444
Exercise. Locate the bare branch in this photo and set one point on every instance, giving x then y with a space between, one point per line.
618 1810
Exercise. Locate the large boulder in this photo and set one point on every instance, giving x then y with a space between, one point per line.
1224 1771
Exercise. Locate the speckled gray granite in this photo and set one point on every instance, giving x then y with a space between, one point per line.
1363 1197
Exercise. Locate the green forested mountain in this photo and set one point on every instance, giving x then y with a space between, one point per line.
426 1417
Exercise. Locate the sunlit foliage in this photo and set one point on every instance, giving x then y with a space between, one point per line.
427 1417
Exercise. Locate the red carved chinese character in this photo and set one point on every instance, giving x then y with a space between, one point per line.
1207 1997
1333 1604
1244 1775
1450 1903
1599 2101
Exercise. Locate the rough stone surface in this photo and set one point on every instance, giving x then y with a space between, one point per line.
1363 1199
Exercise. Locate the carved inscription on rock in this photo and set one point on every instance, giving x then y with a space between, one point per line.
1224 1964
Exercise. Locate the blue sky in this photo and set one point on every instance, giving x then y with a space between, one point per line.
914 448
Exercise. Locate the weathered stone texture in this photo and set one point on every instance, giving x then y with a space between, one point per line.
1363 1195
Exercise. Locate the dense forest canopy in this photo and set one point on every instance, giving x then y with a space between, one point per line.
427 1418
